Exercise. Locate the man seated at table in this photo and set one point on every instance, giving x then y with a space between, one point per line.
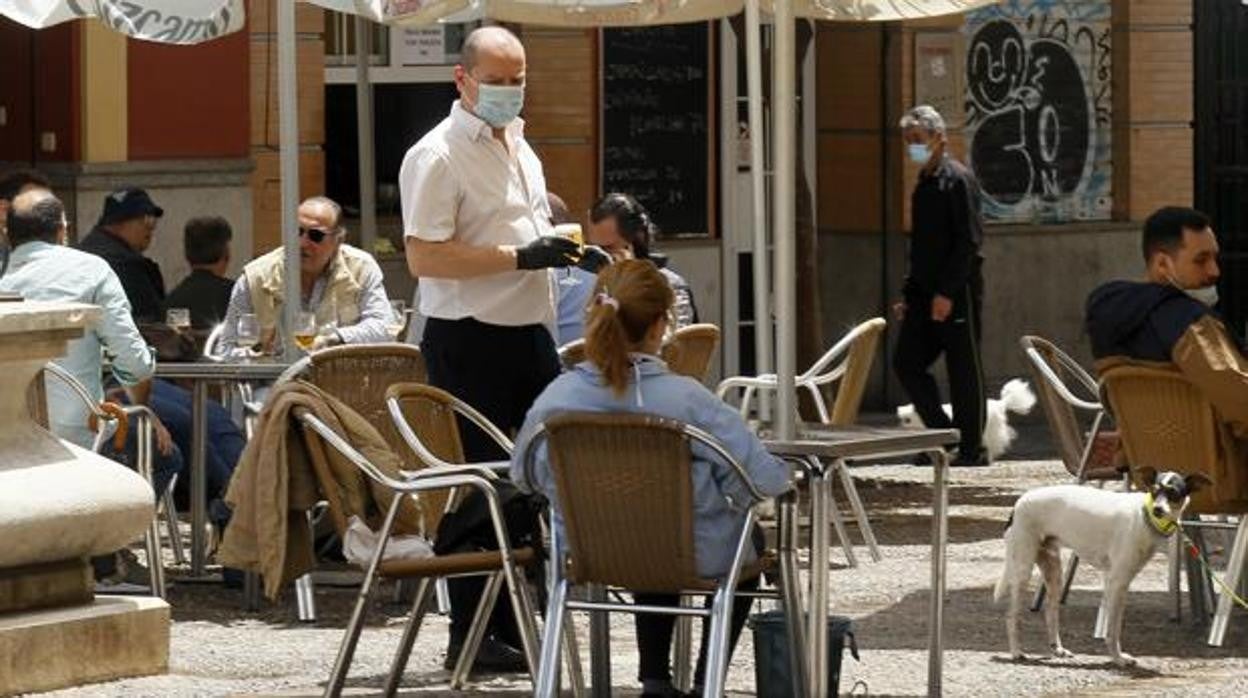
42 268
205 292
123 233
1170 318
624 331
341 284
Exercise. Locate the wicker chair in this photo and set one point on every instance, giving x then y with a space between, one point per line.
501 566
856 354
626 498
690 349
1167 424
572 353
358 375
111 419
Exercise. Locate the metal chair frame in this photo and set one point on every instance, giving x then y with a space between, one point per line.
719 614
141 418
428 479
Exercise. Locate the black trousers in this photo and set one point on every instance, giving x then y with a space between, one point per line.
499 371
924 340
654 635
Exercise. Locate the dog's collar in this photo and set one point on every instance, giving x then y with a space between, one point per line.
1165 526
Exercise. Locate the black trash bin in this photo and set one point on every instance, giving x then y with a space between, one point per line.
772 673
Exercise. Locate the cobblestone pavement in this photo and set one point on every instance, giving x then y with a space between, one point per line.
217 650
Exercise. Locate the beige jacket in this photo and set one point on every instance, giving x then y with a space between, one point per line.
278 479
340 302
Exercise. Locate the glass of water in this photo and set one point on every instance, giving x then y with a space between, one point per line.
247 334
398 318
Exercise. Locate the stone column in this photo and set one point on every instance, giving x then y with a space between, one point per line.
59 505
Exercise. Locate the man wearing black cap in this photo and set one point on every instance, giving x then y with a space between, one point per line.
122 234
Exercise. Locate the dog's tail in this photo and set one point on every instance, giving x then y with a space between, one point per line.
1018 397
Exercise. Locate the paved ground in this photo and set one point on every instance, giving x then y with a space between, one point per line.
218 650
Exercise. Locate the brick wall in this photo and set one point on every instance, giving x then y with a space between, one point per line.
561 110
1153 81
265 179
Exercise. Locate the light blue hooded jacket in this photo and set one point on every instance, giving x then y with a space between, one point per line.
655 390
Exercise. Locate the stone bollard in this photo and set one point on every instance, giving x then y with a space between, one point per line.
59 505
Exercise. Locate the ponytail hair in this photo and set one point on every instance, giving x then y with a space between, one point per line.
629 298
631 220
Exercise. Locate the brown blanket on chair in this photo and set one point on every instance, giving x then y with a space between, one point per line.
278 479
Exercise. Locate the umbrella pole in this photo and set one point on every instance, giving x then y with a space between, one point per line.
288 145
364 130
784 123
762 304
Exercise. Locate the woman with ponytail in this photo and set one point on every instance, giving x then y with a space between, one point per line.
625 325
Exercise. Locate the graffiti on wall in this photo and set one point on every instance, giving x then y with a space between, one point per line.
1038 109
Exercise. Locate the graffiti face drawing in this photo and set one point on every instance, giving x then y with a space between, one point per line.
1033 138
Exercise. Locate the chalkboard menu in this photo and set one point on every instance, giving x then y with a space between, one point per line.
656 123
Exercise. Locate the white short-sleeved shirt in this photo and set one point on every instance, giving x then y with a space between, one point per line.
459 182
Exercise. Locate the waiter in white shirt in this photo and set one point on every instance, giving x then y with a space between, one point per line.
478 236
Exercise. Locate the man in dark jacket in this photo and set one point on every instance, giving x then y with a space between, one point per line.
122 234
943 295
1169 317
206 291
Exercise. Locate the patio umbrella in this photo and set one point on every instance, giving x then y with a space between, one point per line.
163 21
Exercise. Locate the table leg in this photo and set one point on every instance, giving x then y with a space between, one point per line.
816 617
940 533
199 454
599 647
790 593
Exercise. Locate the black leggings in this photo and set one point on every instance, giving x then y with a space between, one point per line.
654 634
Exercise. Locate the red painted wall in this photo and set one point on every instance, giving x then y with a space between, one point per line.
189 101
48 94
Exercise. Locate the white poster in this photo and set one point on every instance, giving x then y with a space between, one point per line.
419 45
164 21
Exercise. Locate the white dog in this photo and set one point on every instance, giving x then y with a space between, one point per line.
1117 532
1016 397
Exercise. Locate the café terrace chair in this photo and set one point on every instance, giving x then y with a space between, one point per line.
113 420
625 493
1166 423
848 364
502 567
689 350
358 375
428 419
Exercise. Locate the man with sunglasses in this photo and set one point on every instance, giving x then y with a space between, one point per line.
341 284
122 235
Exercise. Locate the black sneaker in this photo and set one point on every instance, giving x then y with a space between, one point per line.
493 656
977 460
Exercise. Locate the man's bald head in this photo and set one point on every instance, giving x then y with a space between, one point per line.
494 41
36 215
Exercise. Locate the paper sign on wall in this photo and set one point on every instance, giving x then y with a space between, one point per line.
420 45
938 74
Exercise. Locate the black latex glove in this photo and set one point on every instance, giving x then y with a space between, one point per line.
547 251
593 259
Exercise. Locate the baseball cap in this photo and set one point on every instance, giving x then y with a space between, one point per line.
129 203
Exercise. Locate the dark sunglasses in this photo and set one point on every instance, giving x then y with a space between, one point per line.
316 235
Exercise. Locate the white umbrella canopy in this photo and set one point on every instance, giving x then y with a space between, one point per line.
163 21
561 13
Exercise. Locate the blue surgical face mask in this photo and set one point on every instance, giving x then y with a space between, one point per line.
499 105
919 153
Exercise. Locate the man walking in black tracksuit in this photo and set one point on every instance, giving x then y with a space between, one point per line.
943 294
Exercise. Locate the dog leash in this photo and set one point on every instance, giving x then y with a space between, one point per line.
1195 552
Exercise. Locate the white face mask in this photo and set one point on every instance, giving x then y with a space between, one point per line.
919 153
1205 294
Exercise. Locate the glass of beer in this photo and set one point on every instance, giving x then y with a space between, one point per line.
179 319
305 330
570 231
